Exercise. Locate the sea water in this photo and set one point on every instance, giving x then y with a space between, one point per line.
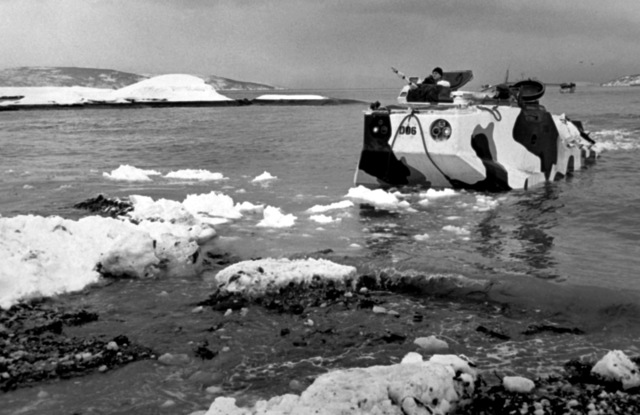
570 246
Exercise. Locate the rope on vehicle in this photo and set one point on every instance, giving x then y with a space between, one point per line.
424 142
493 111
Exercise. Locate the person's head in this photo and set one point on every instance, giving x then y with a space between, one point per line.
436 73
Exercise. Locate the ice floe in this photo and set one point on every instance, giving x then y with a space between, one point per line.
262 276
192 174
377 198
263 177
414 386
131 174
275 218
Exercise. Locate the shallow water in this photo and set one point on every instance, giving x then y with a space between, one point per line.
568 249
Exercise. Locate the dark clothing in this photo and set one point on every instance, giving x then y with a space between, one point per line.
428 80
423 93
428 91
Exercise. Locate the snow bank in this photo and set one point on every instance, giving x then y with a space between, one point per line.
171 88
44 257
50 95
49 256
273 97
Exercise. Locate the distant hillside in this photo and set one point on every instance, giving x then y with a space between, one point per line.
67 76
100 78
221 83
629 80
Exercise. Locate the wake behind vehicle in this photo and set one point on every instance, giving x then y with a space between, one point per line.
494 140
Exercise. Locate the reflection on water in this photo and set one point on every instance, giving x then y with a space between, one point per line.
519 230
471 231
538 213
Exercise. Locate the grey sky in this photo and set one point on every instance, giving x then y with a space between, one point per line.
328 43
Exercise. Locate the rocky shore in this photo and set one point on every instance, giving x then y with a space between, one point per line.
34 346
374 322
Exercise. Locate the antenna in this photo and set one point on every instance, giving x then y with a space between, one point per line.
401 75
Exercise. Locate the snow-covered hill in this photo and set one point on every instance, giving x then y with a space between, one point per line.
41 76
628 80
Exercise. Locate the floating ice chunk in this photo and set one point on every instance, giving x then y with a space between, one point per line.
131 174
334 206
377 198
422 237
263 177
266 275
196 210
213 205
274 218
145 208
323 219
485 203
188 174
435 194
456 229
248 207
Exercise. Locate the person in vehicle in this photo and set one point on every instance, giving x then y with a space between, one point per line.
430 89
435 78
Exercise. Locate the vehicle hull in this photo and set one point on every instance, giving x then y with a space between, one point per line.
491 147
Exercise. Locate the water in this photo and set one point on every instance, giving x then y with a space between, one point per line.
569 249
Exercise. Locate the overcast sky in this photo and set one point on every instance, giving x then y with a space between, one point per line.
328 43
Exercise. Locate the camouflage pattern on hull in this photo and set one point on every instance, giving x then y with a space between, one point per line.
493 146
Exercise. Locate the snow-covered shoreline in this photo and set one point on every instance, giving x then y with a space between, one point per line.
160 91
55 255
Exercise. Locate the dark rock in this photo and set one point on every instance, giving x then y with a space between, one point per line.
394 338
101 204
202 351
539 328
492 333
121 340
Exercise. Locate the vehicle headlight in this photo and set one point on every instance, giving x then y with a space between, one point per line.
440 130
380 126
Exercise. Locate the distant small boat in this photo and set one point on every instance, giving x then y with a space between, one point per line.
567 87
